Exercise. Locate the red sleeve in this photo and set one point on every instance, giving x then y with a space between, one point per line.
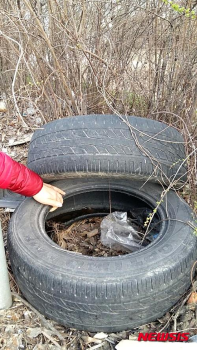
18 178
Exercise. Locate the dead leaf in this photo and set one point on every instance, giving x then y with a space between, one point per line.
193 298
89 340
92 233
14 317
63 244
25 139
34 332
10 329
84 233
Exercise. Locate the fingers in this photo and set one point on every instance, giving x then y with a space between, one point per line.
50 195
54 203
56 189
54 193
57 197
53 209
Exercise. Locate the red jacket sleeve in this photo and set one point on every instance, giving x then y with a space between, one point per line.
18 178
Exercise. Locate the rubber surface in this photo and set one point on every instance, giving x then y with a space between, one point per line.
104 144
105 293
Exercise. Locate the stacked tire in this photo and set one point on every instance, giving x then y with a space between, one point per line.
138 160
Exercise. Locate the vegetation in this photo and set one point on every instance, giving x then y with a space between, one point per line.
74 57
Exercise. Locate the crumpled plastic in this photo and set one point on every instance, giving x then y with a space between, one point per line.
117 232
139 216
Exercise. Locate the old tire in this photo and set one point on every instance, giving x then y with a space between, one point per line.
105 293
103 144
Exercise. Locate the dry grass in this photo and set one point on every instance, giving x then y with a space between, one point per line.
61 58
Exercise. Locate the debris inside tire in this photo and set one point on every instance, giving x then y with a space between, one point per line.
82 237
115 234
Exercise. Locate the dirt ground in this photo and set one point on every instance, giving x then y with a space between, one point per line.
22 327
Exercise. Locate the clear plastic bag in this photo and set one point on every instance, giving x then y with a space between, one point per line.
118 232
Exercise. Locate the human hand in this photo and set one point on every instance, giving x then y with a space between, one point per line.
50 195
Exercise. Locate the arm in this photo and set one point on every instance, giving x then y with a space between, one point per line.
18 178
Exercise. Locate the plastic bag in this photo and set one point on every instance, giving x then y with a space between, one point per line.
118 233
139 216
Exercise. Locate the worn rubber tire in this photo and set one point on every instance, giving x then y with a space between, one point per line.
105 293
103 144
